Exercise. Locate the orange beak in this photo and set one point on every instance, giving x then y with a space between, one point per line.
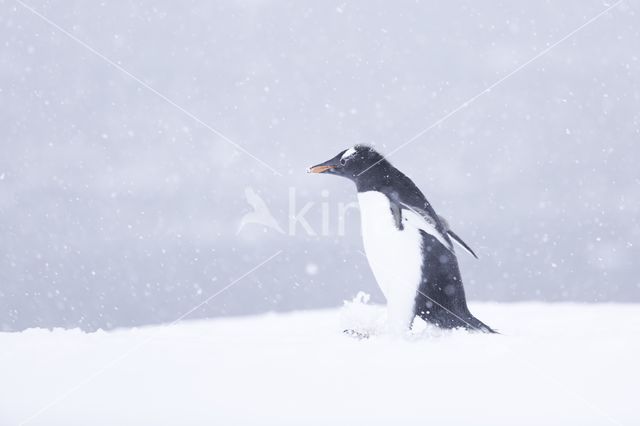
320 169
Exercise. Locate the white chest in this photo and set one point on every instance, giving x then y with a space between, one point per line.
395 256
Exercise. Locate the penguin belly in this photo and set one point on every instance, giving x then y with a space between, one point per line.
395 257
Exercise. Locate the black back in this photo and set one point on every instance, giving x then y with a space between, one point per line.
440 299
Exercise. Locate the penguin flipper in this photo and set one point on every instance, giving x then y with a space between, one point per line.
462 244
417 212
455 237
396 212
422 220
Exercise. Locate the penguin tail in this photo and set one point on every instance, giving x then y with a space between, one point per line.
474 324
446 318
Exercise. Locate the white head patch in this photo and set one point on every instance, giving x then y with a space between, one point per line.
348 153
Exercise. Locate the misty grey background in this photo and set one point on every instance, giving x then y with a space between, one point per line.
117 209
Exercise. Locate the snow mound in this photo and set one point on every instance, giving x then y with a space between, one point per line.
552 364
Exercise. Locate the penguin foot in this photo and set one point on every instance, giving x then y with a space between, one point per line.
356 334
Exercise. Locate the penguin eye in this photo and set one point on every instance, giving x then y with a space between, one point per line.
343 161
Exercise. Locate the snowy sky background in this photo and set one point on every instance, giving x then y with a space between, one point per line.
117 208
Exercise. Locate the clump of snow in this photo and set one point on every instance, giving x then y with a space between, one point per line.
553 364
358 315
360 318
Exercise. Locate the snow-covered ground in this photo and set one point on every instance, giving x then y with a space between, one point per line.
553 364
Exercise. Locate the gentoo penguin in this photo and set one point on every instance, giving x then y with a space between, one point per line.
408 246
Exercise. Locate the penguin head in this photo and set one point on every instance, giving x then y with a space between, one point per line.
349 163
